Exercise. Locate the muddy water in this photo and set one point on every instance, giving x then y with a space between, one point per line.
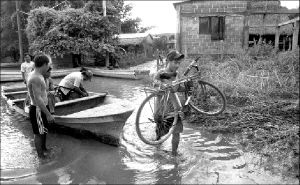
203 157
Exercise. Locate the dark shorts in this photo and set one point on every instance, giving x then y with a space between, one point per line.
178 127
69 96
37 126
167 125
61 95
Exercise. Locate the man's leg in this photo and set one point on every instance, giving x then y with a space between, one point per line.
175 143
44 142
73 95
38 145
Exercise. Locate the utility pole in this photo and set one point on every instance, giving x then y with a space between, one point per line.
107 53
19 32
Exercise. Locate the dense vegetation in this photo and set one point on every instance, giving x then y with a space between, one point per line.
61 26
262 90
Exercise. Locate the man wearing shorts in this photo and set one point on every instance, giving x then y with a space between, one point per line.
38 112
165 76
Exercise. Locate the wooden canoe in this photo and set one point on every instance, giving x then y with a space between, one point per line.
99 116
125 74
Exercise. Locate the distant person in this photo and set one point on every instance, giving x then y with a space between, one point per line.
71 86
162 77
40 116
26 67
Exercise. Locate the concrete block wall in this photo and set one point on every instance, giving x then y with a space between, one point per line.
193 43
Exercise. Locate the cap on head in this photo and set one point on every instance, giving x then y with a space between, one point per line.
88 74
174 55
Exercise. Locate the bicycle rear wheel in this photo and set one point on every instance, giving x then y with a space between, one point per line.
153 125
206 98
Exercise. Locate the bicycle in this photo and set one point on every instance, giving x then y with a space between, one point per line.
202 97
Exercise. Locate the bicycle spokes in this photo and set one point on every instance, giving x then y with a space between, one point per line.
207 99
155 119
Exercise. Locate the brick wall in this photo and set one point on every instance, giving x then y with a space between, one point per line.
193 43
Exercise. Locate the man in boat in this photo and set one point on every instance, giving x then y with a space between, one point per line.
39 113
70 87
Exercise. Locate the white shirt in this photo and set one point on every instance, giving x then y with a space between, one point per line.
26 68
70 81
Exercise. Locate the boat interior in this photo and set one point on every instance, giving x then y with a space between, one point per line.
17 97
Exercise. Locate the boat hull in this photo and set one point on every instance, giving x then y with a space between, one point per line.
124 74
103 122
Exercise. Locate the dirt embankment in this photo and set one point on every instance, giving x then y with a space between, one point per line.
269 128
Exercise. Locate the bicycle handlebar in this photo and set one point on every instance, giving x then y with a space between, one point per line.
179 81
192 65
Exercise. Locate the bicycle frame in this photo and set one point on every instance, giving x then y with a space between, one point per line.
165 91
167 108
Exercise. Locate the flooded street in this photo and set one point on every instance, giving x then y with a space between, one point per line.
204 158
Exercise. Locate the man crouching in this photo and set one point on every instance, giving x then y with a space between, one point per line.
39 112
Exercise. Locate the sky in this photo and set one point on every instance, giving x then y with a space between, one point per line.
162 14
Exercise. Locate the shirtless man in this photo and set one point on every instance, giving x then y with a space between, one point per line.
39 111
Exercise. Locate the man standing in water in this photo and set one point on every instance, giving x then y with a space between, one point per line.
39 111
166 76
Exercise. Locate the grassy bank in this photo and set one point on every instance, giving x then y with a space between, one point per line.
262 89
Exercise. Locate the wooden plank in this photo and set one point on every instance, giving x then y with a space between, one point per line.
259 26
191 14
18 100
289 21
275 12
295 35
290 43
178 31
246 32
277 34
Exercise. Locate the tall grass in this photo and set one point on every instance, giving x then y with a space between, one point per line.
254 74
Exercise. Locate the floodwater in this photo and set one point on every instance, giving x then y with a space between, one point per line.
204 158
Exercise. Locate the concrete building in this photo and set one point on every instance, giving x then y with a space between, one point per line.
137 43
222 27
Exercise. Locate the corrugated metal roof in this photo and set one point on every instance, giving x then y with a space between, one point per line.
133 35
133 38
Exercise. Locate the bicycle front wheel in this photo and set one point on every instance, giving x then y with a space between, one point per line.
156 119
206 98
